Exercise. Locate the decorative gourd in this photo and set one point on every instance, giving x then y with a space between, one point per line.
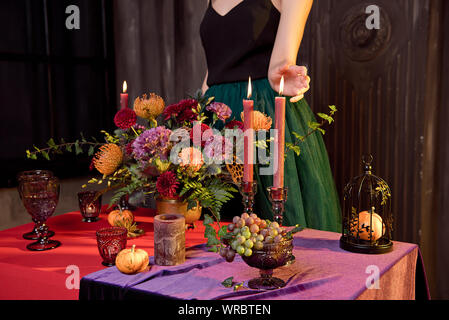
119 216
130 261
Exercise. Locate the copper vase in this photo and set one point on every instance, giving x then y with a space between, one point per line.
173 206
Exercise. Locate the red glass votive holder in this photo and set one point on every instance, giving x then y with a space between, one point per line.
111 241
90 205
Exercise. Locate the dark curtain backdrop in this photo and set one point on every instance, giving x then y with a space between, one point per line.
389 86
158 47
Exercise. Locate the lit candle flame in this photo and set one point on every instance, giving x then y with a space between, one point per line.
250 89
125 87
281 86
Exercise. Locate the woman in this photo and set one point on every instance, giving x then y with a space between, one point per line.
261 39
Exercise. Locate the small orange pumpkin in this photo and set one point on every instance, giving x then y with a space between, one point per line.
120 217
130 261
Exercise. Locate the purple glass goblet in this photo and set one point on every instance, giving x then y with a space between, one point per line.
90 205
272 256
30 176
111 241
40 198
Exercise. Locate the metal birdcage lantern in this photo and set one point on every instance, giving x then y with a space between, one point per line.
367 217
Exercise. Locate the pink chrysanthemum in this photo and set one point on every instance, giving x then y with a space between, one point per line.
125 118
222 111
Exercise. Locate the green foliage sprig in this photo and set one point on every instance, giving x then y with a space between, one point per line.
79 146
314 127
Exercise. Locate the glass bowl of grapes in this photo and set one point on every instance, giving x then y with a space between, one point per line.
262 244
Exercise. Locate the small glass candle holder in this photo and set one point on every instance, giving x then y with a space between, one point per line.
278 197
248 190
111 241
90 205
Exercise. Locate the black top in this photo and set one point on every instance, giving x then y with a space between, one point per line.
239 44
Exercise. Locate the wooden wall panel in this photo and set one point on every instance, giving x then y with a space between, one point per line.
377 81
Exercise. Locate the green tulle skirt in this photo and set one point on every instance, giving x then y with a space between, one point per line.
312 198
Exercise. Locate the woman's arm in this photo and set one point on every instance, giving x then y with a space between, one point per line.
294 14
205 86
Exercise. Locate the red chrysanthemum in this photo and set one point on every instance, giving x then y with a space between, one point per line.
181 111
129 148
125 118
234 124
166 184
201 138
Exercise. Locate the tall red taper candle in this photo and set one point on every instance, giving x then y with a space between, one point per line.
124 97
248 108
278 178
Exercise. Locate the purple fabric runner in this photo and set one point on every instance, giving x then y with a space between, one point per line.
322 271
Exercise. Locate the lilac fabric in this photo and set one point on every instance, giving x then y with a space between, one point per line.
322 271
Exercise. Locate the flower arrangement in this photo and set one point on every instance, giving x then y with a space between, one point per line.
176 154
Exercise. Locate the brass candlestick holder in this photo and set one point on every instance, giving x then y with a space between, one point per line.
248 190
278 197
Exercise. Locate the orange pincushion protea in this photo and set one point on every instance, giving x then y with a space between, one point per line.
108 158
191 158
149 107
260 121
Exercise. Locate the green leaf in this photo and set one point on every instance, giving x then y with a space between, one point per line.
209 101
296 229
325 117
321 130
45 155
296 149
91 151
78 149
191 204
228 282
51 143
208 219
68 148
333 109
313 125
223 231
297 136
238 286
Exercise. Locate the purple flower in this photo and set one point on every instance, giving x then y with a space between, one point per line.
152 143
222 111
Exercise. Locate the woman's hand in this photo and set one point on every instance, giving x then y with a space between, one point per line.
296 81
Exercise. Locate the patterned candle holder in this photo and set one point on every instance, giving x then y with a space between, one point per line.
278 197
110 242
248 190
90 205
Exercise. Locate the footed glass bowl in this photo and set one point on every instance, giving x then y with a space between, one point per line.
272 256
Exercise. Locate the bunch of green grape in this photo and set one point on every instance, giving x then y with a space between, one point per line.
247 233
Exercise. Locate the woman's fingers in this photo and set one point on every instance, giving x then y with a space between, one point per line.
296 98
299 70
304 86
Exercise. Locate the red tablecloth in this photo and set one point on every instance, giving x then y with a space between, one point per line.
27 275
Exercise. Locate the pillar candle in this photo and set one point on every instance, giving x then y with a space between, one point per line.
278 178
124 97
169 239
248 108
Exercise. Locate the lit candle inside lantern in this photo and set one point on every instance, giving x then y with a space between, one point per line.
278 179
248 108
124 96
90 209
